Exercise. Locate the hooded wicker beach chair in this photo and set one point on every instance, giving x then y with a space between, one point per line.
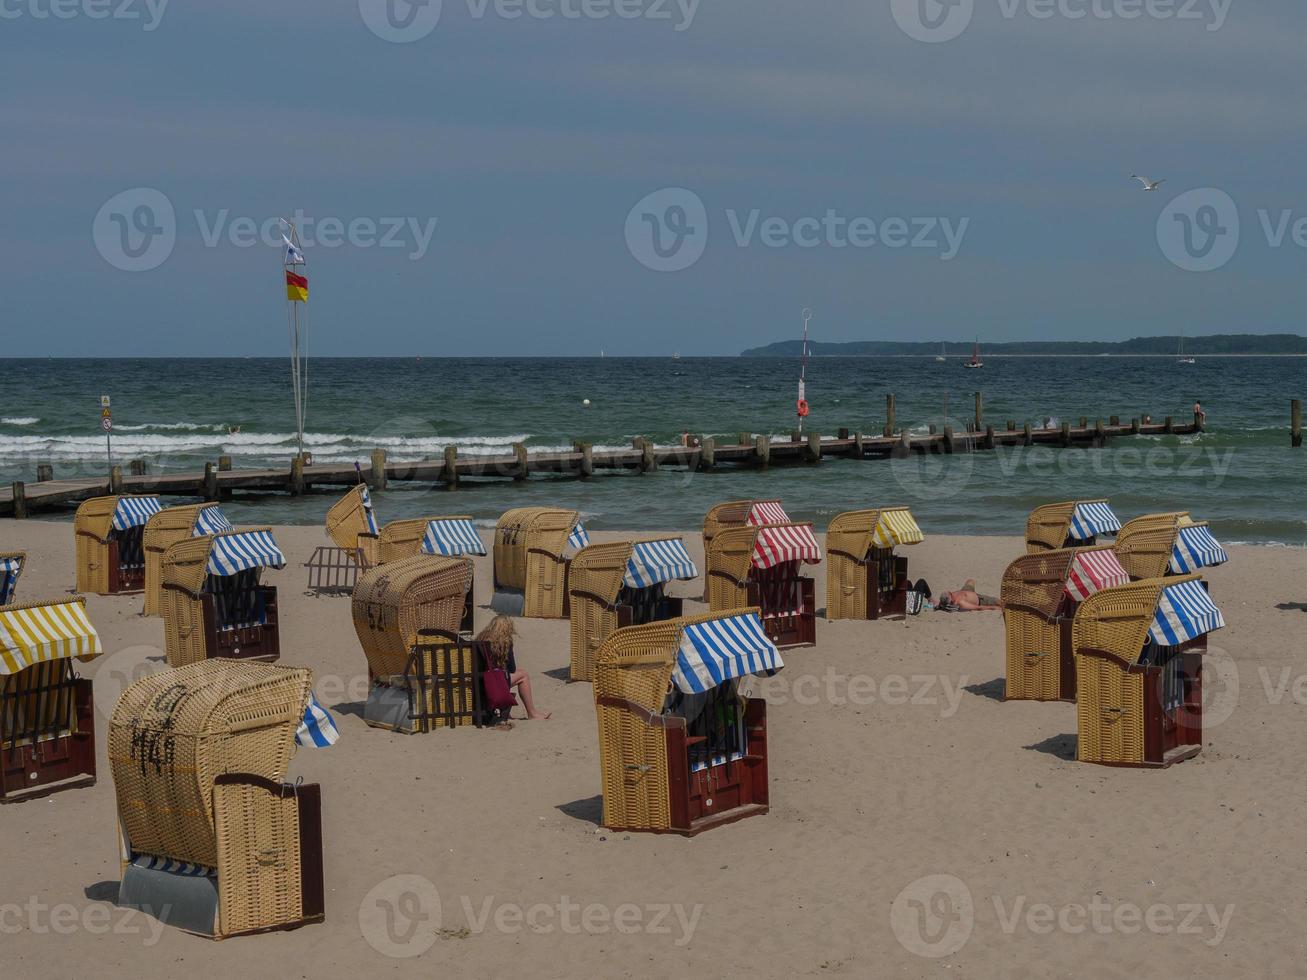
1167 544
679 750
449 536
110 543
213 602
214 840
1073 524
425 674
738 513
533 546
621 584
11 568
47 716
352 527
761 567
1139 650
1041 593
166 528
864 578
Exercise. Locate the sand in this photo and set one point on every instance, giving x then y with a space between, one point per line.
893 759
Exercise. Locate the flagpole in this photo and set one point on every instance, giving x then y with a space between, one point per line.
298 340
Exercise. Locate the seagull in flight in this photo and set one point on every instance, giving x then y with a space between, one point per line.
1149 185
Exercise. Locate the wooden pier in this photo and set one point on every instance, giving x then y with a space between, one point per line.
749 450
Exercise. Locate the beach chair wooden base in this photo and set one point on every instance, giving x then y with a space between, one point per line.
335 571
258 642
31 769
440 688
124 579
787 627
1045 675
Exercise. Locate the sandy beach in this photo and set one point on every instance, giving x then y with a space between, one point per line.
894 761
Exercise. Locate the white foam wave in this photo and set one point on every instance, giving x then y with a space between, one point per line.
20 420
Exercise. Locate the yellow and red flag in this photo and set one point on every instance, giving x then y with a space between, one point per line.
297 287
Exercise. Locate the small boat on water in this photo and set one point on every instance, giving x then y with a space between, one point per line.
1180 358
940 356
975 361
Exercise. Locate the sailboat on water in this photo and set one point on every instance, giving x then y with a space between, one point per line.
940 356
1180 358
975 361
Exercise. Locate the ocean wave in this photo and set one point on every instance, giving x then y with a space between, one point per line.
20 420
172 426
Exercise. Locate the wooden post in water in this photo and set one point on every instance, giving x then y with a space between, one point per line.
933 430
1011 425
980 411
814 447
948 440
859 448
904 447
136 467
1170 425
1084 421
449 475
843 433
44 472
1115 420
296 485
1295 423
745 438
520 471
587 460
1134 427
890 416
762 451
224 464
1100 437
1028 438
116 479
377 475
648 461
20 500
1066 435
989 438
210 482
707 453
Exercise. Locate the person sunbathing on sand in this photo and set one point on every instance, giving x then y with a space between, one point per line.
967 599
497 640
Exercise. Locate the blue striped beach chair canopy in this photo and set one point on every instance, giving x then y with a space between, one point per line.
578 539
317 729
368 514
713 652
132 512
1195 548
1092 518
236 551
210 520
452 538
1184 612
11 567
656 562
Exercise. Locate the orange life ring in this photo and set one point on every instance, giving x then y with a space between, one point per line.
803 408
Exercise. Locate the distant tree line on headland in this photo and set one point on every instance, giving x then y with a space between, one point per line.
1233 343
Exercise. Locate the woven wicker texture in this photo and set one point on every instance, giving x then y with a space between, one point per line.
1048 525
594 581
91 529
401 539
164 529
28 704
529 546
848 539
258 836
1110 698
438 660
733 513
1145 544
347 524
636 663
174 732
1033 590
393 602
729 559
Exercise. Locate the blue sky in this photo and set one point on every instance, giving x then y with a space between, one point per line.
530 139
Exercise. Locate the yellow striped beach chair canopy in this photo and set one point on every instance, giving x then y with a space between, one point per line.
41 632
897 526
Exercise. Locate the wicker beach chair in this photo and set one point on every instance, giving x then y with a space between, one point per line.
621 584
1167 544
760 567
11 569
213 838
738 513
1072 524
679 750
864 578
166 528
213 602
532 547
352 526
443 535
109 533
47 716
1138 650
1040 595
424 673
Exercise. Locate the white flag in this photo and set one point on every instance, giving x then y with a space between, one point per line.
293 255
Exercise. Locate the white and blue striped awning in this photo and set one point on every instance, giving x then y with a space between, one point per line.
655 562
578 539
10 568
1091 519
452 538
148 862
720 650
210 520
1184 612
368 514
232 553
134 511
318 729
1195 548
